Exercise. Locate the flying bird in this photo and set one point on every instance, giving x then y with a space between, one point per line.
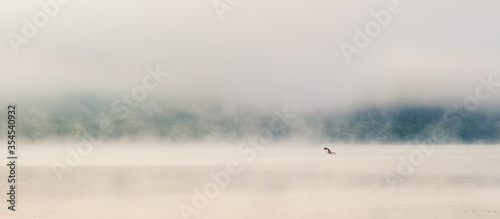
330 152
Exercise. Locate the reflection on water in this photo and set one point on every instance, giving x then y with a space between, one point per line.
302 183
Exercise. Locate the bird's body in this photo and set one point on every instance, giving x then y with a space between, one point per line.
330 152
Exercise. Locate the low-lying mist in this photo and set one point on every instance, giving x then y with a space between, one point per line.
165 119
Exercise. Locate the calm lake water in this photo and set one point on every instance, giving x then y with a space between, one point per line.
278 181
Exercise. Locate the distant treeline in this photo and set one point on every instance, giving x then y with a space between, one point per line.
73 117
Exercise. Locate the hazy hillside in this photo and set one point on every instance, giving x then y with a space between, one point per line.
74 115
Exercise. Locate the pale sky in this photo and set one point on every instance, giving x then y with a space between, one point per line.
280 52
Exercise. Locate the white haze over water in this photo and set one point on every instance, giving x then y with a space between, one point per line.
272 70
264 53
284 180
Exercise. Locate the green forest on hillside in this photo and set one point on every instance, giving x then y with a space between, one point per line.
169 121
